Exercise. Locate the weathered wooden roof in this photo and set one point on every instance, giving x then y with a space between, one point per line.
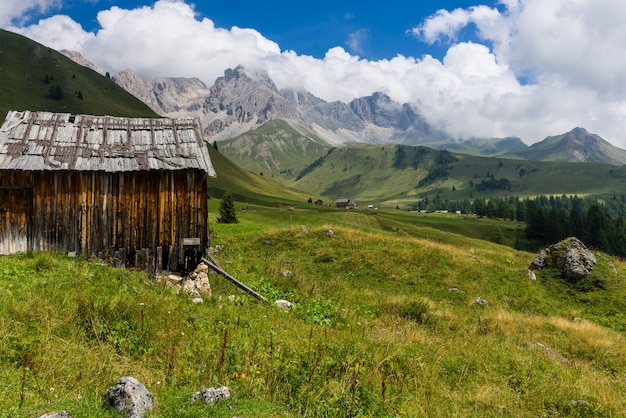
62 141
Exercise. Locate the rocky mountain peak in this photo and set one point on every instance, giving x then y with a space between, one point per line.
165 95
243 99
79 59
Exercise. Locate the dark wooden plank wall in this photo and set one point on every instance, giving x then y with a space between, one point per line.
15 211
138 217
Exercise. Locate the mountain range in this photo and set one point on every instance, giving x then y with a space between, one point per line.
371 149
243 100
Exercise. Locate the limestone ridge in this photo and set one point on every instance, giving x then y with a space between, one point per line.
168 96
79 59
244 99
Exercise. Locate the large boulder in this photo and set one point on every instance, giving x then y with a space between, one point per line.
129 397
569 257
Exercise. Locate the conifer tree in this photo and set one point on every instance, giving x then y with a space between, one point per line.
227 213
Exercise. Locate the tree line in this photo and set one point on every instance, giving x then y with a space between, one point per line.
549 219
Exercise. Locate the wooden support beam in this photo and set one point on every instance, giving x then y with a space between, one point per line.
218 269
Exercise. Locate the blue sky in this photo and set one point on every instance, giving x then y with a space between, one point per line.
361 27
526 68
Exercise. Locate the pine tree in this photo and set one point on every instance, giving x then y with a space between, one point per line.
227 213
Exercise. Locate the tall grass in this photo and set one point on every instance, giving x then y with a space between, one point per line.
383 324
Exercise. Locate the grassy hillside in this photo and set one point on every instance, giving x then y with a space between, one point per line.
384 323
274 149
400 175
248 186
489 147
576 145
34 77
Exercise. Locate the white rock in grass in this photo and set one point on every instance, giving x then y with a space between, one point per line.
211 395
281 303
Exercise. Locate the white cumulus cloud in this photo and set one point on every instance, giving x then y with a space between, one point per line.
534 68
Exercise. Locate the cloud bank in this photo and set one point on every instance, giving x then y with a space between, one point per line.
535 67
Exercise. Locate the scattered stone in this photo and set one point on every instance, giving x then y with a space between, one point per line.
286 273
481 301
60 414
304 229
195 284
531 274
577 402
268 242
174 279
455 289
129 397
189 288
202 268
570 257
211 395
232 298
197 300
330 233
281 303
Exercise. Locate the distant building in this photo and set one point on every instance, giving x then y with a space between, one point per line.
129 190
344 203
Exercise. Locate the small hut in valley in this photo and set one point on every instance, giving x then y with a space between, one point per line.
131 190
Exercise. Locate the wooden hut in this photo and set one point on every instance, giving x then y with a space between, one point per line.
129 190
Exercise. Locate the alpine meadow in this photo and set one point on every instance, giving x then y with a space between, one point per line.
417 300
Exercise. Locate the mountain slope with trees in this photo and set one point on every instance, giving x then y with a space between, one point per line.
38 78
401 175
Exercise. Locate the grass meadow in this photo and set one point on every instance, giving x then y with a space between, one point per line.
384 324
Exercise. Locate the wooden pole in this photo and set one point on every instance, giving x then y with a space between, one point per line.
212 264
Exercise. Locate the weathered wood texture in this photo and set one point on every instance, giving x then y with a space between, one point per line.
131 190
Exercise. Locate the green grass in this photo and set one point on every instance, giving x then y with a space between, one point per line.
367 174
274 149
24 65
384 324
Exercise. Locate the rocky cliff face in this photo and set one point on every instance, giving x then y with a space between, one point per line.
78 58
167 96
243 99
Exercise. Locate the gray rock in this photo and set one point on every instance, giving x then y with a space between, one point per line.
481 301
211 395
202 268
281 303
60 414
129 397
174 279
570 257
